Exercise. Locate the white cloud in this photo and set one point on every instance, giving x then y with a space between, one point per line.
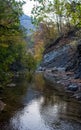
28 7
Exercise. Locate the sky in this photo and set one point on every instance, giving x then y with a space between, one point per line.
28 7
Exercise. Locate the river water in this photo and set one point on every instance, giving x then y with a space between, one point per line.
37 106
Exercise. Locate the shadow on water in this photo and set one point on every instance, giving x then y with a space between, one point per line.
36 105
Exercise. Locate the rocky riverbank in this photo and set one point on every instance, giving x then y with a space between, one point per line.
62 64
66 82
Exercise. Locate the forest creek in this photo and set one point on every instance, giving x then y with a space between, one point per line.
40 65
37 105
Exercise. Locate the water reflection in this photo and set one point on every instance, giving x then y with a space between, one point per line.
29 118
36 116
42 109
29 76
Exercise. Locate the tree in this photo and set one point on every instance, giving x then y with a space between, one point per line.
29 62
43 36
11 35
73 11
60 12
49 12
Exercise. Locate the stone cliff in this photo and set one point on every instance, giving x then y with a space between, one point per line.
62 62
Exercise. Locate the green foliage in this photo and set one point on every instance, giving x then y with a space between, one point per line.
11 36
43 36
29 62
60 12
74 12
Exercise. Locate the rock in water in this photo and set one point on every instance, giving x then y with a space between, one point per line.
11 85
72 87
2 105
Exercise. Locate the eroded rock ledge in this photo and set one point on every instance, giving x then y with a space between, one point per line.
62 64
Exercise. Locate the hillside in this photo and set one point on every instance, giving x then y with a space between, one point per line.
26 23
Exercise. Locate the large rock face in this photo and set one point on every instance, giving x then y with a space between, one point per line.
58 58
67 56
62 65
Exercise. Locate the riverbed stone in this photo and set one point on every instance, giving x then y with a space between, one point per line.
72 87
11 85
77 96
2 105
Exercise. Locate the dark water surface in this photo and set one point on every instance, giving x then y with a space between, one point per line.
36 106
